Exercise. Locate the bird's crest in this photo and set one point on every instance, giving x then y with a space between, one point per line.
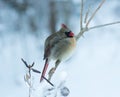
64 26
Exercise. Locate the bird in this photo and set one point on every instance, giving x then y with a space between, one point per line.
58 46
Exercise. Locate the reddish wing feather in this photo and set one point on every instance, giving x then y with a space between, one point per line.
44 70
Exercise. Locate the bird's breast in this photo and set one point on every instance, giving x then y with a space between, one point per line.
63 49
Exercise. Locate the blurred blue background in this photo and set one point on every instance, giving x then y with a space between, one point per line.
94 69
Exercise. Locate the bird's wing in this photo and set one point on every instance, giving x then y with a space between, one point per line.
50 42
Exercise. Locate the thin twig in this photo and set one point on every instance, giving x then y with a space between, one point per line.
36 71
94 27
30 88
30 67
86 27
25 63
48 81
95 13
86 15
103 25
81 15
28 80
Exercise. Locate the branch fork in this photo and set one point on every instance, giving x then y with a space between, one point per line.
30 68
87 21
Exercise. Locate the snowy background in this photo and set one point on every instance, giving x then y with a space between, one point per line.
94 69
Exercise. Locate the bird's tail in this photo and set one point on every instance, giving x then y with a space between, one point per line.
44 70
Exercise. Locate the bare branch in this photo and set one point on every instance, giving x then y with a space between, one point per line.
30 67
81 33
81 15
86 15
24 62
94 27
103 25
48 81
36 71
86 27
95 13
82 30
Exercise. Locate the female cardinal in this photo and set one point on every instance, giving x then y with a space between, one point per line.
58 46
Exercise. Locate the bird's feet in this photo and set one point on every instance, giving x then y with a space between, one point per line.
51 72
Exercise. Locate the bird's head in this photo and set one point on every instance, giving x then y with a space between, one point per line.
66 31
